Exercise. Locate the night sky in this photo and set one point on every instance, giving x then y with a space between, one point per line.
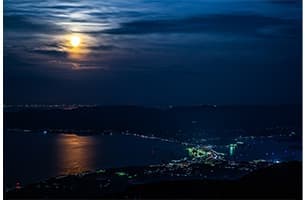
152 52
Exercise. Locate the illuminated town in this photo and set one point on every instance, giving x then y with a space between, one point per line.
201 163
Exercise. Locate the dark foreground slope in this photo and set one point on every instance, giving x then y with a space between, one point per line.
283 181
277 182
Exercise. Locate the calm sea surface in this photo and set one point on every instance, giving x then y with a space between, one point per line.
31 157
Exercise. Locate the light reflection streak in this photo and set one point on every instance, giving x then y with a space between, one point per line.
75 154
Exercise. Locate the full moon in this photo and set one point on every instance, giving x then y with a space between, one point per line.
75 41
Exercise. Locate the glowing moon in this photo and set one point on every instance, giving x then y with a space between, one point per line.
75 41
76 45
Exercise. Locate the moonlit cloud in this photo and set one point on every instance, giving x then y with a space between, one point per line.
240 24
183 51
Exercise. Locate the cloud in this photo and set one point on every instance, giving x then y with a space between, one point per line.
103 47
293 2
69 6
77 66
56 53
25 24
225 23
119 14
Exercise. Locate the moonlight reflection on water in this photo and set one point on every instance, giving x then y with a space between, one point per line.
75 153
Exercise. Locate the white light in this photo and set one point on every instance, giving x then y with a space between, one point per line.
75 41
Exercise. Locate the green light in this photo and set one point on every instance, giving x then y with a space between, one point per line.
190 150
100 171
231 151
121 174
196 152
232 148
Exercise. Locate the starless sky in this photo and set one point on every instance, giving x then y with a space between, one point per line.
152 52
